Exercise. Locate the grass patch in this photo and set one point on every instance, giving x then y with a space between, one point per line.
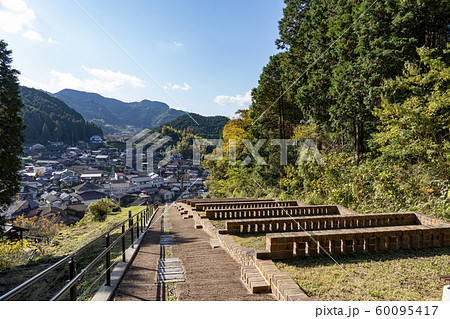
253 241
67 241
80 234
404 275
201 213
390 275
219 223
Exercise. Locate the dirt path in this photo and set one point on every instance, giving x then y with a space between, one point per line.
211 274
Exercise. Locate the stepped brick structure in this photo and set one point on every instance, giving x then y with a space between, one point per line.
294 229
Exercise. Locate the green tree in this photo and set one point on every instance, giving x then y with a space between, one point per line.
101 208
339 52
47 117
415 115
11 136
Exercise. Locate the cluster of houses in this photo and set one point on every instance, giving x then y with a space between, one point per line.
62 181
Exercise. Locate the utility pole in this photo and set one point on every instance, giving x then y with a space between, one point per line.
110 181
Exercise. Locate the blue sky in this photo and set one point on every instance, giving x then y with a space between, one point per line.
204 55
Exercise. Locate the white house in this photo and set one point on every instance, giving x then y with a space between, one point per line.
142 182
42 170
119 176
119 188
96 139
101 158
157 180
63 173
92 176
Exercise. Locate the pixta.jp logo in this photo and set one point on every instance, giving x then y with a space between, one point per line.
145 147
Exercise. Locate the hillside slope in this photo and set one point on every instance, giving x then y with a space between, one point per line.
48 118
112 114
204 126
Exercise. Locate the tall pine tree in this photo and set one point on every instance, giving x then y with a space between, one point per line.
11 136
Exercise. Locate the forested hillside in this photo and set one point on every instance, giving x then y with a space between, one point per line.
48 118
204 126
114 115
368 82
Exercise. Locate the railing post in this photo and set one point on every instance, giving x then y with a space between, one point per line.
142 221
130 225
108 262
137 225
139 222
72 275
123 243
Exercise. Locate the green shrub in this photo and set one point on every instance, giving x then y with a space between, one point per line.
101 208
114 206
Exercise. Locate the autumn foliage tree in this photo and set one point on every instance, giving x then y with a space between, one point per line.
40 226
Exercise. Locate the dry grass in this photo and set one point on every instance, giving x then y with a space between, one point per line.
391 275
254 241
219 223
78 235
68 240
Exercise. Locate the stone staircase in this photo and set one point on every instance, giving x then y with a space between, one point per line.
253 280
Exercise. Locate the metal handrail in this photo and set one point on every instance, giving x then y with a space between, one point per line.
75 280
70 257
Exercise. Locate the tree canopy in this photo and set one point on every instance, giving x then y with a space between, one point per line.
48 118
11 136
368 82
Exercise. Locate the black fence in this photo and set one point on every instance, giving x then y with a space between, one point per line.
130 229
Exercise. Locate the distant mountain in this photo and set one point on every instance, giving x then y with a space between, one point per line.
48 118
203 126
113 114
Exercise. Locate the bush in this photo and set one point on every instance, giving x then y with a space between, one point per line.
17 252
114 207
101 208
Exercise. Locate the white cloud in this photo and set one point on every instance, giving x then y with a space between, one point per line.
238 100
61 80
178 44
17 18
25 81
100 81
51 40
184 87
32 35
115 79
